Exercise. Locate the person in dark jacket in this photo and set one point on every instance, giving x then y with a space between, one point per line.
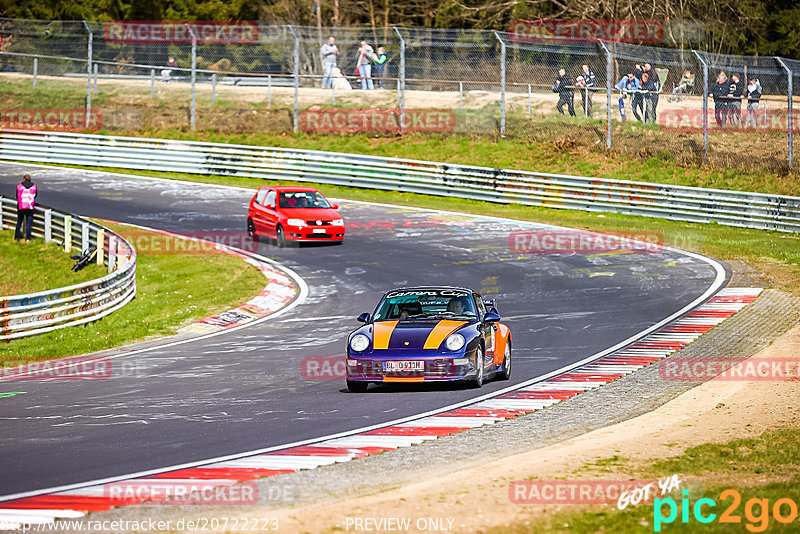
26 201
735 95
638 98
720 93
566 92
753 97
589 81
650 85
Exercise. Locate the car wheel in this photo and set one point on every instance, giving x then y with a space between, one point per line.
505 369
251 230
477 381
357 387
281 237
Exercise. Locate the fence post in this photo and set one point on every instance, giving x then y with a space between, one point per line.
296 70
402 77
35 70
193 110
705 104
152 82
530 97
789 90
502 83
460 95
48 225
84 236
88 75
94 90
269 90
101 235
67 233
213 87
609 87
1 214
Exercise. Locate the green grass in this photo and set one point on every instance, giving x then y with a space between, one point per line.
774 454
172 291
38 266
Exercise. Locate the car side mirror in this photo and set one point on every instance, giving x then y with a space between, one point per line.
270 206
364 317
491 317
334 206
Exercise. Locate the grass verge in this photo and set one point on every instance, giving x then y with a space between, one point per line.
773 456
38 266
172 291
775 255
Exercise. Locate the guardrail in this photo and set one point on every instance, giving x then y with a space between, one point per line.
37 313
694 204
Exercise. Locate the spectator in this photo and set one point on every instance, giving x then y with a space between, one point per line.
720 93
638 97
650 96
365 53
589 81
566 93
627 85
684 86
26 200
753 96
379 59
329 52
735 96
167 72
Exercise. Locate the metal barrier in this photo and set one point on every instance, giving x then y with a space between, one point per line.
694 204
36 313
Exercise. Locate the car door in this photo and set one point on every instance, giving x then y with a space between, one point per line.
257 210
487 330
270 210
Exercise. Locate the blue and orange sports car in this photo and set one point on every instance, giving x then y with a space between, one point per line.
421 334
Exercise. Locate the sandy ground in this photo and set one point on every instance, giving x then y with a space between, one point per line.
477 500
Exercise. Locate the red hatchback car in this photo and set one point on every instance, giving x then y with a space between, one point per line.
294 214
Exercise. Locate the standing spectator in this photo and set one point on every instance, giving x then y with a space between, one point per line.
735 96
650 95
753 96
589 81
26 200
167 72
379 59
365 53
720 93
684 86
627 85
329 52
566 93
639 96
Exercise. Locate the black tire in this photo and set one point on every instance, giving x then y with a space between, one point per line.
280 238
357 387
505 369
251 230
477 380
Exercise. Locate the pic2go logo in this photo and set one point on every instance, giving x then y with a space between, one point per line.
756 511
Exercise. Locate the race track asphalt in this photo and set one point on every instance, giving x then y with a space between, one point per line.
243 390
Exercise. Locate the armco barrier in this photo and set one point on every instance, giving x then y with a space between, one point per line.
36 313
733 208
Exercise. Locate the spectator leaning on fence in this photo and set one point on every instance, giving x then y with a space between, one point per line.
753 96
365 53
379 58
638 98
684 86
720 93
167 72
735 96
589 80
329 52
26 200
566 93
627 85
650 85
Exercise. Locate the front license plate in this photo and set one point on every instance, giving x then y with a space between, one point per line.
319 230
404 366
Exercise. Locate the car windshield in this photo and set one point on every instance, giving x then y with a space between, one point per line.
302 199
426 304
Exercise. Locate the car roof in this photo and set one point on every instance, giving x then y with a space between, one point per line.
290 188
421 288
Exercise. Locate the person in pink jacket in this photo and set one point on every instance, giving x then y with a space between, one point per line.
26 200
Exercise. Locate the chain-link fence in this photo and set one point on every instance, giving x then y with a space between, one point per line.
243 77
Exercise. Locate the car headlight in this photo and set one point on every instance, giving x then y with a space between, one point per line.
296 222
338 222
359 342
454 342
